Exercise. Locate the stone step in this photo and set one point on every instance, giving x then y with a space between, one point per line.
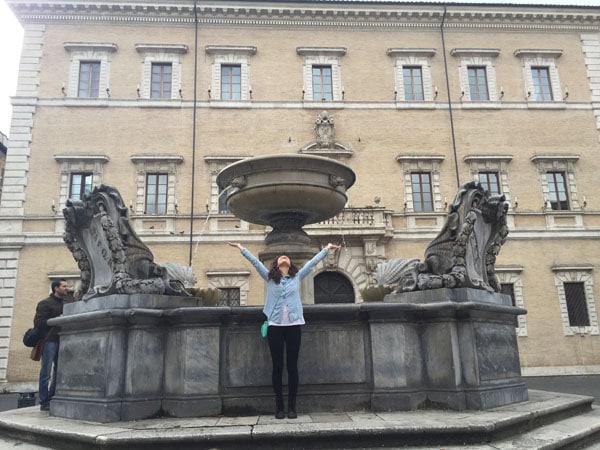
547 421
579 432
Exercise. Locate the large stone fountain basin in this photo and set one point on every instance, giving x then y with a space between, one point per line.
265 188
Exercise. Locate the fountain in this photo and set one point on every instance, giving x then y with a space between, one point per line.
286 192
137 345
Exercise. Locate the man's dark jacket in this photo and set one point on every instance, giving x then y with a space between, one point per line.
48 308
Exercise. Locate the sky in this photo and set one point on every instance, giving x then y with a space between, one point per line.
11 38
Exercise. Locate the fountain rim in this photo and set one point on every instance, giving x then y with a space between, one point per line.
264 163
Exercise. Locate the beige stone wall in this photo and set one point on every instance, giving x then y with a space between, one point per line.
276 121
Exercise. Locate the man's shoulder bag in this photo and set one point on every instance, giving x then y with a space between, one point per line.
32 337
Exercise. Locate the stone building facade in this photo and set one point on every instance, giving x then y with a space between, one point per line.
416 98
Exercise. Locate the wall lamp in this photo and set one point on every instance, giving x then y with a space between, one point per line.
108 92
501 93
566 96
516 203
435 92
53 207
63 90
209 97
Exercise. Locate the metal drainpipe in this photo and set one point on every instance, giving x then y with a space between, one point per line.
449 100
194 130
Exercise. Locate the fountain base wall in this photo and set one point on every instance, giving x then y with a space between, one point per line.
130 357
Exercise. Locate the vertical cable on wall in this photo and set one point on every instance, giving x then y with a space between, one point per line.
449 101
194 130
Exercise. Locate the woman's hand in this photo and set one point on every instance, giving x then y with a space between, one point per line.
331 246
236 244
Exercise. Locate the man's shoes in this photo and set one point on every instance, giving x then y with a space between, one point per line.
45 407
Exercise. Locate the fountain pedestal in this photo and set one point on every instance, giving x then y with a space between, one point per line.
134 357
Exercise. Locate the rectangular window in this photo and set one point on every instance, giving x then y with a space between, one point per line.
489 181
229 297
541 84
156 193
223 202
509 289
80 184
557 191
89 79
422 192
162 74
576 304
413 83
231 82
322 83
478 86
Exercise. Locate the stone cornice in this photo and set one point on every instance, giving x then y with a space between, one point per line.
178 159
557 157
90 46
81 157
491 52
239 49
315 14
501 158
427 52
166 48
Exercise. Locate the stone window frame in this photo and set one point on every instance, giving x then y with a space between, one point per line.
422 163
231 279
322 56
89 51
161 53
513 275
581 274
480 57
230 54
145 164
491 163
77 163
542 58
215 165
420 57
556 163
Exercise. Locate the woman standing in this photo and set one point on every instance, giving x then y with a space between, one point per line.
283 308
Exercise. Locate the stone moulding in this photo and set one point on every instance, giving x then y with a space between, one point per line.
130 357
316 14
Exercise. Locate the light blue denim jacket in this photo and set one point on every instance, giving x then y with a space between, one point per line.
287 292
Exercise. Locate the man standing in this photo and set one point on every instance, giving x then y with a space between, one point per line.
48 309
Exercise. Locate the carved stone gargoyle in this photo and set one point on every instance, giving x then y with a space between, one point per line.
110 255
464 252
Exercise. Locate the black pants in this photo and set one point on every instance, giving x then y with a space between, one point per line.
288 338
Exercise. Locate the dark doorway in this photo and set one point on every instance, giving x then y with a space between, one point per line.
333 287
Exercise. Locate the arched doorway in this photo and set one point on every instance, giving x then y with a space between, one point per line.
333 287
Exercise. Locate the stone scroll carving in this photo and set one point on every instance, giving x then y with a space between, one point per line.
464 252
110 255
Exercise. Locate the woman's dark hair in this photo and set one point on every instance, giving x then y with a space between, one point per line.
275 274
